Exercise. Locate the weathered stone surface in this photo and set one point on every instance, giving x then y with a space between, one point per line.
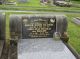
2 1
2 26
5 52
15 27
30 26
45 48
76 21
12 50
1 46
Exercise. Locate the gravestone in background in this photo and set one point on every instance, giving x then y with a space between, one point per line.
1 2
44 1
62 3
76 21
58 0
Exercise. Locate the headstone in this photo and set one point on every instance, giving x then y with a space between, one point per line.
37 26
11 3
62 3
32 26
0 3
76 21
43 1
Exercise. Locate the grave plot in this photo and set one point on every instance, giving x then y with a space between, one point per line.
45 48
33 38
62 3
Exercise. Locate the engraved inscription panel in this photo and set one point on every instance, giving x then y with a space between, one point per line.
37 27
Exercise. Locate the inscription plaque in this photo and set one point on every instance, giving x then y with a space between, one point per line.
38 27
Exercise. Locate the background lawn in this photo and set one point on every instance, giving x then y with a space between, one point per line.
74 32
35 5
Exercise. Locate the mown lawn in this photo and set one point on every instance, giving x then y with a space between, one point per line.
35 5
73 30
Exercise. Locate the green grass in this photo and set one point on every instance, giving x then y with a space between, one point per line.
35 5
77 2
7 29
73 30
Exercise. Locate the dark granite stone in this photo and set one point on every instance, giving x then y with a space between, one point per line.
37 27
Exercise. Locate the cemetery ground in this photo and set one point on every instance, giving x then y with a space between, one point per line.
73 30
35 5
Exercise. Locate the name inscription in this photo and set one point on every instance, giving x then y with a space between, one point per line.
38 27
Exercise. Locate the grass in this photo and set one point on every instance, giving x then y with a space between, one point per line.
35 5
7 29
73 30
77 2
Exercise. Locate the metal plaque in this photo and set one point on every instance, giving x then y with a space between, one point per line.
38 27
